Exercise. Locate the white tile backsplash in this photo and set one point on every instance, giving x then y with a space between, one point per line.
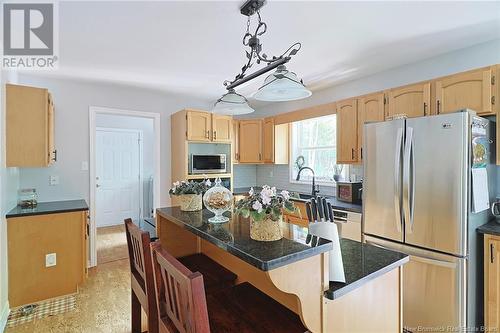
245 175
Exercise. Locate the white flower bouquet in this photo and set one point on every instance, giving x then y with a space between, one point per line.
266 204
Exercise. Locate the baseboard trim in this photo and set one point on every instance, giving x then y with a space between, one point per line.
4 315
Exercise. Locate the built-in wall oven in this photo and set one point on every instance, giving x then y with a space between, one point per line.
215 163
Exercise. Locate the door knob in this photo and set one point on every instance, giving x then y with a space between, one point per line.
97 185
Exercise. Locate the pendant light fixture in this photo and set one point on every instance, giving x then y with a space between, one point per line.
282 85
232 103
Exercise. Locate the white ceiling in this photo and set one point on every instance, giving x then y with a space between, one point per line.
192 47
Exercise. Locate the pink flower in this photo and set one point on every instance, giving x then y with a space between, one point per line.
257 206
285 194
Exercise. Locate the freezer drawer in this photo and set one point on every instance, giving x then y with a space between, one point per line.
434 289
382 184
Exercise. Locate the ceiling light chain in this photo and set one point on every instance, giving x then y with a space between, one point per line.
282 85
253 41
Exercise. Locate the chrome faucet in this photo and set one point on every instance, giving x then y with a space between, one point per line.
314 190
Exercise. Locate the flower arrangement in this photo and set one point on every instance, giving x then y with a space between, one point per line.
190 187
264 205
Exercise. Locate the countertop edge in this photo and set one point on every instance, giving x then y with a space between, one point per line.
490 228
263 266
358 283
27 213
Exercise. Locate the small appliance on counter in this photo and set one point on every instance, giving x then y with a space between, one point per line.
27 198
349 191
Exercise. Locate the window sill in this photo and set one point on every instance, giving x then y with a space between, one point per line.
326 184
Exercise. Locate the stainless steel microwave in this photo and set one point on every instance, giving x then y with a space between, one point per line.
208 163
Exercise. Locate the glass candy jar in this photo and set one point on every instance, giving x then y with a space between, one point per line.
218 200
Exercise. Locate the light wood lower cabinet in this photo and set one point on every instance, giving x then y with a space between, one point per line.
29 240
473 90
412 101
29 127
347 131
250 141
492 281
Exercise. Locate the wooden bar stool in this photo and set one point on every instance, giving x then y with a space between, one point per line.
141 278
184 307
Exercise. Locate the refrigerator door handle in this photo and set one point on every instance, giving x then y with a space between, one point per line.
397 178
406 179
412 181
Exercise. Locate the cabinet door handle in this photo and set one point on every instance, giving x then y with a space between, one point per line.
438 103
215 135
352 153
425 109
361 152
55 155
207 135
260 156
492 253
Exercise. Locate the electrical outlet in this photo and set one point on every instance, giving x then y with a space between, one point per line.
50 260
53 180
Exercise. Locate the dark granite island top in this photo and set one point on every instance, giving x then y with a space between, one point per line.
490 228
52 207
362 263
234 238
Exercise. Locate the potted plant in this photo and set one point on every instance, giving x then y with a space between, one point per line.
189 194
265 210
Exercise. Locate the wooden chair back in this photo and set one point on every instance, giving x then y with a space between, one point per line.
141 269
180 294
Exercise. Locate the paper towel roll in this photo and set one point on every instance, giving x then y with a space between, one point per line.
328 230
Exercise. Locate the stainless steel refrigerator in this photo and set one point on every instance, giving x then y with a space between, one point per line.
417 200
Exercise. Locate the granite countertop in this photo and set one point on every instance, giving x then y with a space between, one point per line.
490 228
362 263
52 207
336 204
234 237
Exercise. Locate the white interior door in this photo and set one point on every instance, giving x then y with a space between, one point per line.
118 176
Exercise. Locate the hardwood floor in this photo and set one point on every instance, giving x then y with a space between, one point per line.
111 244
103 301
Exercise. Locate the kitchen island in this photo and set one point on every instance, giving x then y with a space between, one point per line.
296 274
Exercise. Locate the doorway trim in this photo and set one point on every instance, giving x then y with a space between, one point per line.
93 111
140 136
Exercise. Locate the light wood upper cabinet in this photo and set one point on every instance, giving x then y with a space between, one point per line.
492 281
236 141
268 140
347 131
29 127
222 126
412 101
250 141
371 108
473 90
199 125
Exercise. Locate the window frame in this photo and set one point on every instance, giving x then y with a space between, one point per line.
291 163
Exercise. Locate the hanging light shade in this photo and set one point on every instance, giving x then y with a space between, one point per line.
281 86
232 103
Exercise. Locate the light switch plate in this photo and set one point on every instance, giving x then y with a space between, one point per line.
50 260
85 166
53 180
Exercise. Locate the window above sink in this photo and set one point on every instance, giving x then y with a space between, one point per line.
314 144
